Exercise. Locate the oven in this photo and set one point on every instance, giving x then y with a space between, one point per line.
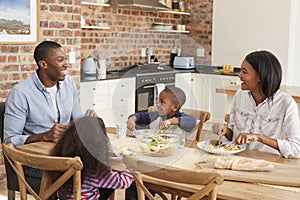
148 87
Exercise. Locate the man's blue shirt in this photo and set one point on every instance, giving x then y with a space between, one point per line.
29 109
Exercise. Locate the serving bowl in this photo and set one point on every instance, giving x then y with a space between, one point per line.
159 143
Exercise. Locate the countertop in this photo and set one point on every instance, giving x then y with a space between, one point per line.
133 72
294 91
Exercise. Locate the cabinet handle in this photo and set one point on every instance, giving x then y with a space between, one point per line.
94 104
94 88
122 85
122 100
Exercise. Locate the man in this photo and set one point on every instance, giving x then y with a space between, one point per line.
41 107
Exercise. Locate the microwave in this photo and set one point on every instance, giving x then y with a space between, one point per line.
181 62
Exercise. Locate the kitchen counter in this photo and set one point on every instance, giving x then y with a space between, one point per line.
294 91
133 72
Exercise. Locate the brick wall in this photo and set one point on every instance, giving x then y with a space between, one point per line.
120 45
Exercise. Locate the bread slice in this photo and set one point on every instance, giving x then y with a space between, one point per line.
242 164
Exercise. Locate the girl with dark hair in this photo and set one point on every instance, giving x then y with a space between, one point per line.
261 115
86 137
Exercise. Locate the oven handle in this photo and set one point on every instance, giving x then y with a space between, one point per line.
152 86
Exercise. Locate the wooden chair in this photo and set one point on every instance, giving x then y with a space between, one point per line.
227 118
200 115
172 178
11 177
69 166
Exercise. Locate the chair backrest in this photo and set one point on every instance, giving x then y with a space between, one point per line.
227 118
207 181
200 115
2 110
68 166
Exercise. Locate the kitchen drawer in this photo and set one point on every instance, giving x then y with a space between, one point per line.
107 117
101 88
101 103
122 100
120 115
123 85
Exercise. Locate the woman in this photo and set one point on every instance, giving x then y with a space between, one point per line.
263 116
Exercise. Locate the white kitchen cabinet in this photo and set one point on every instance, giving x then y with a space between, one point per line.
184 82
113 100
122 99
91 95
200 91
218 102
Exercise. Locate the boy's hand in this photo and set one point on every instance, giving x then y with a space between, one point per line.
164 124
131 123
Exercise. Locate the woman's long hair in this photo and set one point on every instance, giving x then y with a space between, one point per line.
269 70
86 137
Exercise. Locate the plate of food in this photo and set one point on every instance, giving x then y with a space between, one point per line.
225 148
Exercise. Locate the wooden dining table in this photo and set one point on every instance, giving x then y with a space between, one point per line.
283 182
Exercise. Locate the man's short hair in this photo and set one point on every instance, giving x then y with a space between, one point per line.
43 49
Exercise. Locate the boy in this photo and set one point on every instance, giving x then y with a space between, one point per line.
170 101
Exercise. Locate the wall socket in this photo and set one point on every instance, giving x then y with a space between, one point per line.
143 52
200 52
72 57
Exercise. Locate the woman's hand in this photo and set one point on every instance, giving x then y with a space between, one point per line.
246 138
219 129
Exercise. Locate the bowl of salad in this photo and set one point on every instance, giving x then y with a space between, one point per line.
159 143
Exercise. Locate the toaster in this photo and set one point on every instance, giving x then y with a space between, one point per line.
181 62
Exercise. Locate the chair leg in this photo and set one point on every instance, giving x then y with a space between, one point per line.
112 196
11 195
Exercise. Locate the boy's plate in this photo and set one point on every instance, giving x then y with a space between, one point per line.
208 147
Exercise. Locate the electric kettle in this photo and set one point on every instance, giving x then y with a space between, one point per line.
89 68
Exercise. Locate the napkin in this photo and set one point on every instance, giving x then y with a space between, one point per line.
243 164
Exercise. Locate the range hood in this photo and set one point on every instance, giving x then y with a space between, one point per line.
148 4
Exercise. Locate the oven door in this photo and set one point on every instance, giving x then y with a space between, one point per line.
145 97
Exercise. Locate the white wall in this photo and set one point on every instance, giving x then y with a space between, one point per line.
242 26
293 70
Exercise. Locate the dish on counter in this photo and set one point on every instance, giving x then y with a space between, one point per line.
226 148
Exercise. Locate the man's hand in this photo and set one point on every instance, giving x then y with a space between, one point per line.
55 133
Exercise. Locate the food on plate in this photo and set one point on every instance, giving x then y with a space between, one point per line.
228 147
216 142
243 164
232 147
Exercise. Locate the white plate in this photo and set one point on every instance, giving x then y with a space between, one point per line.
206 146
